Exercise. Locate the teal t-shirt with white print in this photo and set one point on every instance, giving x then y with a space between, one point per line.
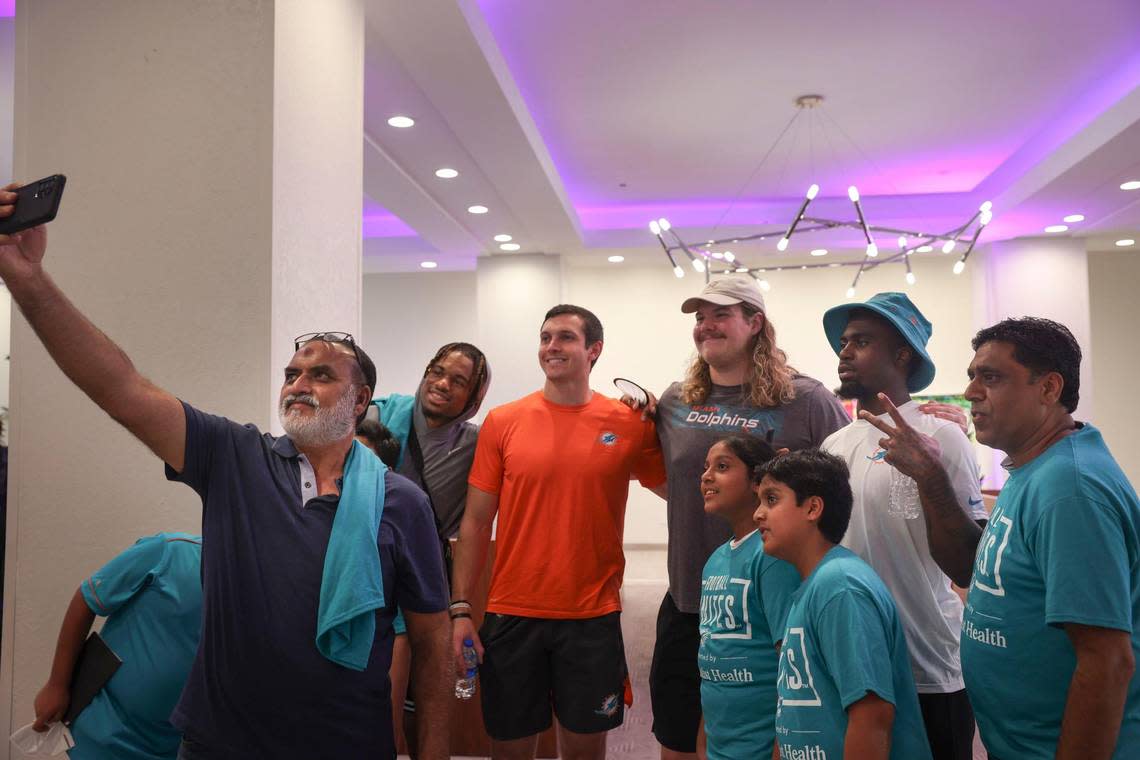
745 596
1062 546
843 640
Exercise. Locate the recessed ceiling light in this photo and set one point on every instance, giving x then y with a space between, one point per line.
446 173
509 247
401 122
819 252
428 264
502 238
924 249
1074 218
1132 184
1056 228
616 259
476 209
1125 242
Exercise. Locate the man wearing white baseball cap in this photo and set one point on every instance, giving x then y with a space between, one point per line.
739 382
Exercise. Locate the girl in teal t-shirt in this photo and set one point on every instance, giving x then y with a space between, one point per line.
745 595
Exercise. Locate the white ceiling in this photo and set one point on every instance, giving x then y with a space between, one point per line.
547 107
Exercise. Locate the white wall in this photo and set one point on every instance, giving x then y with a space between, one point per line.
648 339
1115 360
7 80
406 317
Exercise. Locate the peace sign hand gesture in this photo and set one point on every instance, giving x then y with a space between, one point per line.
912 453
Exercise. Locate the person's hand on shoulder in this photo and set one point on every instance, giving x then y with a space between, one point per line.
949 412
648 409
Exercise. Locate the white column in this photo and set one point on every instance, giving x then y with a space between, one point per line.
1038 277
513 293
213 155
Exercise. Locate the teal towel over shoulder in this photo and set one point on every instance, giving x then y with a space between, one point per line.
396 415
352 584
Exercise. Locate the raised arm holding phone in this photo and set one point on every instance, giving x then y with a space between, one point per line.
281 503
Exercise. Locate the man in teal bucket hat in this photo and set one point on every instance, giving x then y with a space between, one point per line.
913 541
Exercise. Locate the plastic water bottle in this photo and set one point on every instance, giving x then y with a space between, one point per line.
465 684
903 500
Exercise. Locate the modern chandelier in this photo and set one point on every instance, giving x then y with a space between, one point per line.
706 261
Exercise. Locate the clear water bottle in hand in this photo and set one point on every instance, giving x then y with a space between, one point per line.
903 500
465 684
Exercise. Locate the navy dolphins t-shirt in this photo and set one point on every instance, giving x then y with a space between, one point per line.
688 430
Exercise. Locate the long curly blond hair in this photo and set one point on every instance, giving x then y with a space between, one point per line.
769 378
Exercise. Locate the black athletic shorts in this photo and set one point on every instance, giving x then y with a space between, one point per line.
674 681
949 721
531 664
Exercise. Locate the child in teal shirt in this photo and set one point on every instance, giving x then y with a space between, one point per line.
845 684
745 596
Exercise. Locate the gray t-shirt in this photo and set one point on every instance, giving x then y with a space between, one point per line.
687 431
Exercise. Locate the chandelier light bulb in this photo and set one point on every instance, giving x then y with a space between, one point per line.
988 205
872 250
654 227
764 285
910 278
699 266
853 194
924 249
729 256
717 255
851 292
902 241
678 271
948 246
985 218
782 245
959 265
664 224
812 192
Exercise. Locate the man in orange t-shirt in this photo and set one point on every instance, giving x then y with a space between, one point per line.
555 466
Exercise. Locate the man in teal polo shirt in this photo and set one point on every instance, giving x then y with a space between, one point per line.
1050 636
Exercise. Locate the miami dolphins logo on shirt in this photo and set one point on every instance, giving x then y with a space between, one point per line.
878 455
607 438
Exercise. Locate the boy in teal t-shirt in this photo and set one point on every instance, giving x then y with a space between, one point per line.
845 684
151 595
1062 547
745 596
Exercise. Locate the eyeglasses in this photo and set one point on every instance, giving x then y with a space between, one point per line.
340 338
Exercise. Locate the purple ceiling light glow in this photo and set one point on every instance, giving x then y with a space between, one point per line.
947 147
379 222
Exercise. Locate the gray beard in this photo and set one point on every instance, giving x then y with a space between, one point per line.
324 428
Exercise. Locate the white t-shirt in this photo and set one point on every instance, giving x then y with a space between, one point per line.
897 548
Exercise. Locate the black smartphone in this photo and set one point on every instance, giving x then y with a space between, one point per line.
36 203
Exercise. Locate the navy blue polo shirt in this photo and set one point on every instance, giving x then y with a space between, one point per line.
258 686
